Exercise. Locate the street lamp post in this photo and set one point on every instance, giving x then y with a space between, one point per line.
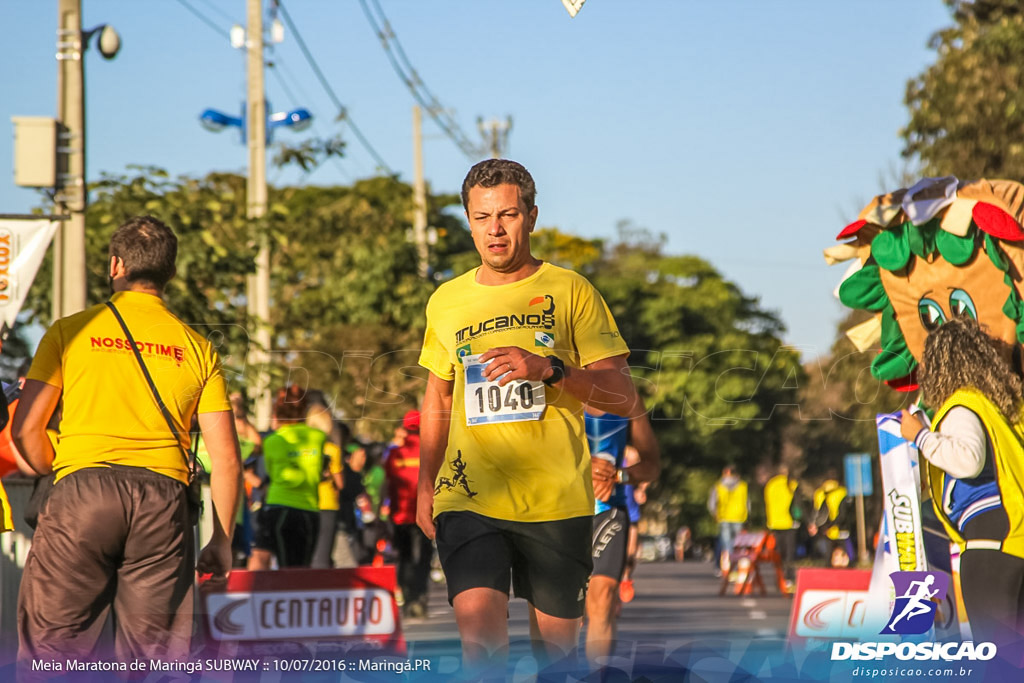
258 284
69 270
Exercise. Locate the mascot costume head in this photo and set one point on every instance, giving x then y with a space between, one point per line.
923 255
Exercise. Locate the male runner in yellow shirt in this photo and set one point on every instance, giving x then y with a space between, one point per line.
513 348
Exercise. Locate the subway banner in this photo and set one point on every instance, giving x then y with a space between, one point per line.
23 243
913 537
355 607
901 482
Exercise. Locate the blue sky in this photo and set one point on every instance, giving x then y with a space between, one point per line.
748 132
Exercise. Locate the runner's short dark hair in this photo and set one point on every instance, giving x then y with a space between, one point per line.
148 249
494 172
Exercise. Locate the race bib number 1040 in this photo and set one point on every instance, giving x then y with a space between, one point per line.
487 403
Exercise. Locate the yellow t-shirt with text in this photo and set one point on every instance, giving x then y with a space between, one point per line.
110 415
531 470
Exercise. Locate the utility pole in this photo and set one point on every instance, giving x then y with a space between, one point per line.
419 194
495 135
69 283
258 285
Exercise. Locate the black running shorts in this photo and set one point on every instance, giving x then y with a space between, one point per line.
289 533
547 563
611 541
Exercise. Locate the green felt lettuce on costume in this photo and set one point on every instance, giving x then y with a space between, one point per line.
891 248
895 360
864 290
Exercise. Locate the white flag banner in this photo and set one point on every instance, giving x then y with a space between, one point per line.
901 484
573 6
23 243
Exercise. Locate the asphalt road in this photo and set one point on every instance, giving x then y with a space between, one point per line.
677 607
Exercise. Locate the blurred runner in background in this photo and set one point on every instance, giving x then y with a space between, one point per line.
294 454
607 437
402 464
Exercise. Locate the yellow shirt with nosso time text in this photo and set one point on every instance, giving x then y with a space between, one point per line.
529 470
110 415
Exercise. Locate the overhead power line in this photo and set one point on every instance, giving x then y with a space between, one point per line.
279 64
408 74
205 19
276 73
342 109
219 11
276 66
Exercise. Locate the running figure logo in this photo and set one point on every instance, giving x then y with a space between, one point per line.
458 477
914 609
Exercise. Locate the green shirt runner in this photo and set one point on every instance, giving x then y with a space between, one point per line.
294 458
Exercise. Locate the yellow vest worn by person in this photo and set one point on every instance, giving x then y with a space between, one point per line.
731 503
1008 452
778 502
534 470
109 413
831 494
6 521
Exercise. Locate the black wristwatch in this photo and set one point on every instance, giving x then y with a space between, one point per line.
559 371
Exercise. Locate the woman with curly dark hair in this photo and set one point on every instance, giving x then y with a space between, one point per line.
975 452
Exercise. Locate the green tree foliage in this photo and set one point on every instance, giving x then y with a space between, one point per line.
967 109
709 360
346 304
839 401
208 217
838 405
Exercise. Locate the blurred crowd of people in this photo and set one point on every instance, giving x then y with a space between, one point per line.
819 527
317 496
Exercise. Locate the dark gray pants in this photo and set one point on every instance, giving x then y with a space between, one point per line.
108 538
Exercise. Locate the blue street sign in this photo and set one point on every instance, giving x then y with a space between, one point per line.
857 467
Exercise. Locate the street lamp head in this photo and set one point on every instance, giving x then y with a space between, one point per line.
296 119
300 119
215 121
109 43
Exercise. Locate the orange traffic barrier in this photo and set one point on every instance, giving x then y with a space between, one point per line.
751 549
